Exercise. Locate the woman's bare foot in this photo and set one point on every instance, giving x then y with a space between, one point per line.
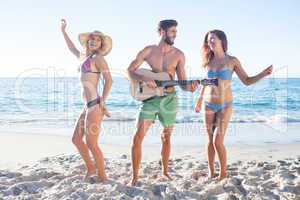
102 178
212 175
89 174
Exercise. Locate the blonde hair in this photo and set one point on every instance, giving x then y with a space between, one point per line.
87 50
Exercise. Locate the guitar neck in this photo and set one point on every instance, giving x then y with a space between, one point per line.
186 82
172 83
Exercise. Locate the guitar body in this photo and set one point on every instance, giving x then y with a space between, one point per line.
140 91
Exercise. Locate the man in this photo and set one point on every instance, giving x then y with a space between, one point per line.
163 57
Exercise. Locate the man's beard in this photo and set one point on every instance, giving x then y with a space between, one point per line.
168 41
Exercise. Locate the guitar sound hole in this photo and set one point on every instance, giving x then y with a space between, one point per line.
140 87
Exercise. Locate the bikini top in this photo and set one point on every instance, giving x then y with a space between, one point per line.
85 67
224 74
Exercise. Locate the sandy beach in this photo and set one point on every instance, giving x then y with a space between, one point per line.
36 166
62 61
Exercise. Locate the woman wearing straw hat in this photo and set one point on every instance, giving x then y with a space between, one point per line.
96 45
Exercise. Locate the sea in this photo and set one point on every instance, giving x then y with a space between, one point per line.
54 103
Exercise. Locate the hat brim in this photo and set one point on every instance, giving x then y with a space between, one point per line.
106 44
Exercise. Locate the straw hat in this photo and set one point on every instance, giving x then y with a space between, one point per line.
106 41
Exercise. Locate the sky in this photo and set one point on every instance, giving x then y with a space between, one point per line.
259 33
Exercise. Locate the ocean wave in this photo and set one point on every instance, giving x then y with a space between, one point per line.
275 119
281 119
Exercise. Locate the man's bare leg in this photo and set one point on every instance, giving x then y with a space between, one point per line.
165 151
136 148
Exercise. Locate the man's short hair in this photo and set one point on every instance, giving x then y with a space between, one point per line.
166 24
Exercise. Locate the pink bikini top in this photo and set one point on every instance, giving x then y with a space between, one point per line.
86 65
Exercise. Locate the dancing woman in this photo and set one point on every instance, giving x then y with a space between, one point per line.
218 99
93 64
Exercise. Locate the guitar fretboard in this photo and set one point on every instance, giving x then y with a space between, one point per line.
186 82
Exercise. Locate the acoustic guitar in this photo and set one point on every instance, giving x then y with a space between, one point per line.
141 92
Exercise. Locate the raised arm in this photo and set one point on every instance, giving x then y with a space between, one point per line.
249 80
180 71
70 44
101 64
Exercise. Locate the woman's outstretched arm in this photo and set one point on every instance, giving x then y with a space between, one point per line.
70 44
249 80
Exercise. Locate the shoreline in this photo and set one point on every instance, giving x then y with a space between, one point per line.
33 147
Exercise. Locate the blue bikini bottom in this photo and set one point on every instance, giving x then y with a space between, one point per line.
218 107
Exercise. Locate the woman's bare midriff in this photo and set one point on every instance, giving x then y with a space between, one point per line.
219 94
89 83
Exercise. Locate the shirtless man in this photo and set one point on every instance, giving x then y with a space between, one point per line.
163 57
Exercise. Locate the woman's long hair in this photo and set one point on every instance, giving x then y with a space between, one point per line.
207 54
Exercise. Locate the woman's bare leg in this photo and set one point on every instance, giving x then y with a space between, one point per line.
93 120
77 140
222 124
209 123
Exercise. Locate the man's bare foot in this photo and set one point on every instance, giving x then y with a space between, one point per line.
134 181
211 176
167 176
222 176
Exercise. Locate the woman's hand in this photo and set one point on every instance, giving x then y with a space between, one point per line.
200 100
102 106
69 42
106 112
268 70
63 25
198 105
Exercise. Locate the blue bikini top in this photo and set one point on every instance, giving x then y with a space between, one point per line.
225 74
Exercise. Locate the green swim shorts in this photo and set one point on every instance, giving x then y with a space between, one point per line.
165 108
